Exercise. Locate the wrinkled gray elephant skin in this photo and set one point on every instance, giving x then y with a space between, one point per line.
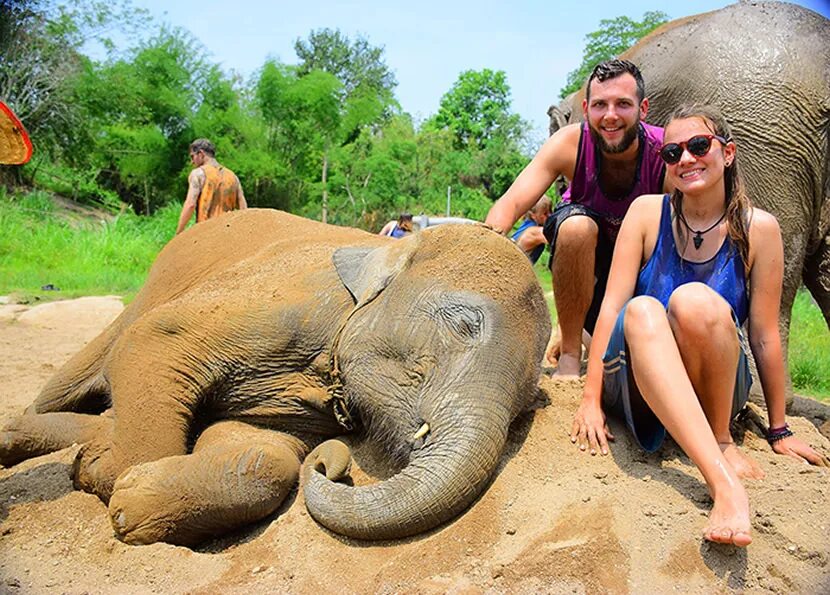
258 338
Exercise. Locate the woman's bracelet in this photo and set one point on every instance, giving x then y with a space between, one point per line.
776 434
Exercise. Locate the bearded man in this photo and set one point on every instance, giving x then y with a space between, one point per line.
609 160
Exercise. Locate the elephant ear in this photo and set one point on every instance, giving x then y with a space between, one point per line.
367 271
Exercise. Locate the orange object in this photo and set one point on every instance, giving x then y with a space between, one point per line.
15 146
220 193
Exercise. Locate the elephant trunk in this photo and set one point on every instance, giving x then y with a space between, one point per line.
440 481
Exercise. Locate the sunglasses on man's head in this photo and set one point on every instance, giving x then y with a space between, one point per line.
697 145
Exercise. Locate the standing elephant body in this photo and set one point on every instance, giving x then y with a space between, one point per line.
766 66
260 336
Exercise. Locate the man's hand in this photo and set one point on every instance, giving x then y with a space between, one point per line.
590 429
795 448
493 228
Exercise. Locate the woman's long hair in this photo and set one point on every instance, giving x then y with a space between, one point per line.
738 204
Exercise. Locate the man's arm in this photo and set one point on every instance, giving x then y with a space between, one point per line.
387 228
530 239
195 181
556 157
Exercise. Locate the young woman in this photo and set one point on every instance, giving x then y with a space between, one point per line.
668 352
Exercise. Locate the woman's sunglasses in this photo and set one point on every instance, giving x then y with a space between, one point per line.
697 145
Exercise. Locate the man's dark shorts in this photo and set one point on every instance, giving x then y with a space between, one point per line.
602 257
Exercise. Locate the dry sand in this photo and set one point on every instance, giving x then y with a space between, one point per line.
553 520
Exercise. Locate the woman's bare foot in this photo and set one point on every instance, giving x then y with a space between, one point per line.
729 519
744 466
569 366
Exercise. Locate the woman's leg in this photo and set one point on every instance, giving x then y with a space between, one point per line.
701 321
662 379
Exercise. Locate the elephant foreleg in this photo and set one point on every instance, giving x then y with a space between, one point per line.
817 277
79 386
236 475
34 435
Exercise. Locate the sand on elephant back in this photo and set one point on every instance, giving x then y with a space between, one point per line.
553 520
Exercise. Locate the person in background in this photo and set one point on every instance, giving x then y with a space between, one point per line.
609 160
690 270
529 236
398 229
213 189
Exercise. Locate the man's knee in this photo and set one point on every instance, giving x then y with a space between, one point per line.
576 243
579 231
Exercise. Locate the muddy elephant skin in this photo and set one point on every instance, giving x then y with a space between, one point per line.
766 66
260 336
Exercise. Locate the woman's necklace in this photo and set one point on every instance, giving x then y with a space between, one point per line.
698 237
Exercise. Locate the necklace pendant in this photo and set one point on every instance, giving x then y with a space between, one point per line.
698 240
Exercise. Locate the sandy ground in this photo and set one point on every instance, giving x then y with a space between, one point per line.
553 520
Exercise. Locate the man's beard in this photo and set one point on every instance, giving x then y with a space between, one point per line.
629 136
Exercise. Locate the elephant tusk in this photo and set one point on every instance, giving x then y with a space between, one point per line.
423 431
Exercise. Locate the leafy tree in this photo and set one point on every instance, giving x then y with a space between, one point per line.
301 115
613 37
477 107
364 95
486 135
358 65
140 110
40 43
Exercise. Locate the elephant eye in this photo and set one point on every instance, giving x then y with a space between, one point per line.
464 321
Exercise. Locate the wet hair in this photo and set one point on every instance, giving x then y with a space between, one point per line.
204 145
611 69
738 205
405 222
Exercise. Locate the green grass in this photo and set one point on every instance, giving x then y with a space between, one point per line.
809 339
39 246
809 349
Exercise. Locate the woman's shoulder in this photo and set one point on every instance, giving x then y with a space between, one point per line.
646 205
761 217
643 215
764 235
762 224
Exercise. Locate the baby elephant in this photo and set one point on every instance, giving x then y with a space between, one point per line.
258 338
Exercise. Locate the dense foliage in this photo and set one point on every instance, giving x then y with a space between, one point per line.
324 138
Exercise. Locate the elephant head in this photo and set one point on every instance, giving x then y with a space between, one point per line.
437 358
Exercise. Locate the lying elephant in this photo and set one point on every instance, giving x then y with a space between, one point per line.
766 65
259 335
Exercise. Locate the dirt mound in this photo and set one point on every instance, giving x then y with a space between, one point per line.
553 520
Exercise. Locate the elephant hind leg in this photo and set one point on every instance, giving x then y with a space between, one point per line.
34 435
236 475
817 277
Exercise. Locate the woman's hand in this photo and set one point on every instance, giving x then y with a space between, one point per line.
589 428
795 448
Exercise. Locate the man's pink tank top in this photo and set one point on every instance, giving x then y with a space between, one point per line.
585 187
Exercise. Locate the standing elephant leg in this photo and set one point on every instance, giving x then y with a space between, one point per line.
236 475
34 435
817 277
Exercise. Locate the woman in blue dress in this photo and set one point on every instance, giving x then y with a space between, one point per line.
690 271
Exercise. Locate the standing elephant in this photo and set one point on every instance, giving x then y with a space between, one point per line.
766 66
258 336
